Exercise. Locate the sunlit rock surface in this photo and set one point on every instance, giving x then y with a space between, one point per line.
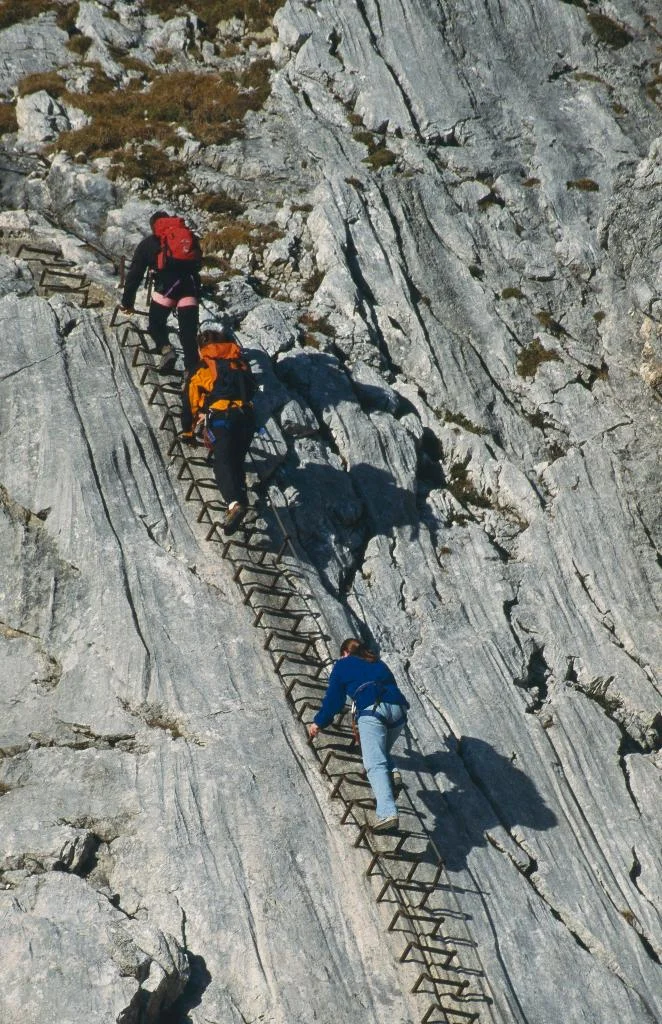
459 340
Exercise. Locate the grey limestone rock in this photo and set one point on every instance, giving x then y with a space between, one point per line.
105 35
15 278
30 47
458 341
58 923
81 195
40 117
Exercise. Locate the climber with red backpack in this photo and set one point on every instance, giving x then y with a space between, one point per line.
217 406
172 252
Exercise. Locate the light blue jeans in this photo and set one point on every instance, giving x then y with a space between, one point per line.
377 739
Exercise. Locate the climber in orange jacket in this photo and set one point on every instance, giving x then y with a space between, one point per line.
217 402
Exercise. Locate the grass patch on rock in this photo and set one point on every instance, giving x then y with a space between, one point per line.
133 125
220 202
583 185
79 44
14 11
460 420
380 157
462 488
227 233
149 163
312 283
310 326
609 31
533 356
552 326
256 15
653 89
7 118
48 81
378 153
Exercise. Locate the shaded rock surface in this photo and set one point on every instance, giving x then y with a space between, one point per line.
458 337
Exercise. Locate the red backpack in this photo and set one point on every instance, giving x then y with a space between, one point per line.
177 241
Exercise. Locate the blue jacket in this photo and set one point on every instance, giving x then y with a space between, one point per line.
347 675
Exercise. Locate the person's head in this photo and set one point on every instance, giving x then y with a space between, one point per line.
159 215
357 649
213 337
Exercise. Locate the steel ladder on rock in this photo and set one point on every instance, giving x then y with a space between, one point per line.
405 870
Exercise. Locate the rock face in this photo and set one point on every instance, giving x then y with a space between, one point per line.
458 335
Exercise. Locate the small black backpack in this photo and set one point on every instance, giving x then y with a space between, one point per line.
234 382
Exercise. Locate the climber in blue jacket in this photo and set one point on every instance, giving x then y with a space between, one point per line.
380 710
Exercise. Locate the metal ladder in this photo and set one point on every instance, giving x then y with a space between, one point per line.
405 871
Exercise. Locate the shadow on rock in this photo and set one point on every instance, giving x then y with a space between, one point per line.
334 513
482 790
386 504
191 997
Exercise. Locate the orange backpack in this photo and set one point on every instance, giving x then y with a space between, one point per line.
225 376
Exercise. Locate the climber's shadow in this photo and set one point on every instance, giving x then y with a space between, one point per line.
330 511
478 789
327 500
386 504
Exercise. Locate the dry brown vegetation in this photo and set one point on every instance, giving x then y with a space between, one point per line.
378 154
531 357
609 31
227 233
7 118
14 11
50 81
139 126
583 185
381 157
544 317
256 14
151 164
79 44
211 107
317 324
219 202
133 125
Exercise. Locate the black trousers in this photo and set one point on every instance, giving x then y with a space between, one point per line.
187 322
233 432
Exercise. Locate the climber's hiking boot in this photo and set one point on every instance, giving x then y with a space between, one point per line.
233 517
166 359
386 824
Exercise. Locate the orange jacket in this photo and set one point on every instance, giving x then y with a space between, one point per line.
201 383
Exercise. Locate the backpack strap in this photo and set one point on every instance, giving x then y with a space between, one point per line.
380 693
379 697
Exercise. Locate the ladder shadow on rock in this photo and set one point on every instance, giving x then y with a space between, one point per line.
405 870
